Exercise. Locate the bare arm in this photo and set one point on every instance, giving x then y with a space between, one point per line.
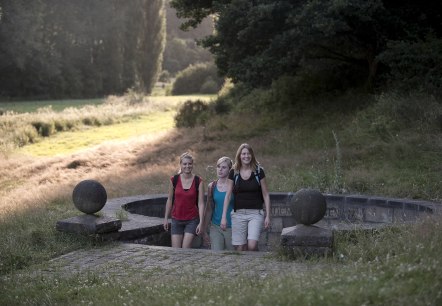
226 204
266 197
200 207
168 207
208 210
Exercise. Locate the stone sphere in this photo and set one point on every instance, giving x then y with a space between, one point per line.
89 196
308 206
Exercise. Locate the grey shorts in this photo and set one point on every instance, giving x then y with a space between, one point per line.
219 239
247 224
179 227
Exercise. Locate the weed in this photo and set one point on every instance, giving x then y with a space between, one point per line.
122 215
395 266
338 184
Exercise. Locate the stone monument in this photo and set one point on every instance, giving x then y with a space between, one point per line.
308 207
89 197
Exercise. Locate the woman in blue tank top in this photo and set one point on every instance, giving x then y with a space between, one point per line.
219 239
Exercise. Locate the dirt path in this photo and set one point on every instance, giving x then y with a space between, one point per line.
25 179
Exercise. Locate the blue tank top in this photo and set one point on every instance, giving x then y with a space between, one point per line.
218 198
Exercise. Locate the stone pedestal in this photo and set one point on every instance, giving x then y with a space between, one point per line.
89 224
307 240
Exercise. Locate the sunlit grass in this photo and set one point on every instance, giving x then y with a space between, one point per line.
56 105
21 129
68 142
400 267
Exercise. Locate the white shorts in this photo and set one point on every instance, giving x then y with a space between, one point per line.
247 224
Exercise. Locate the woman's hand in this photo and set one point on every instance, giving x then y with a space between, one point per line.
198 229
223 224
267 222
166 225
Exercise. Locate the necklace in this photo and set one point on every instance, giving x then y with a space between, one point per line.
222 186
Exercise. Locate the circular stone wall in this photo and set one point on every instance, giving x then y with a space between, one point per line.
343 212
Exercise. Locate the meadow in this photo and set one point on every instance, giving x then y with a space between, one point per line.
56 105
135 149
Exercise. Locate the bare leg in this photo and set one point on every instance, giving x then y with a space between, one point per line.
177 241
242 247
187 241
252 245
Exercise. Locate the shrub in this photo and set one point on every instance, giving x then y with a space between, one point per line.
209 86
25 135
193 79
47 129
226 88
222 106
44 128
61 125
92 121
414 66
164 76
392 113
404 111
191 113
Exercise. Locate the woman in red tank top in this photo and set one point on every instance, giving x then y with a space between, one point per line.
186 203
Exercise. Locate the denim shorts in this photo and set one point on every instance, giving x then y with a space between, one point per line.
247 224
179 227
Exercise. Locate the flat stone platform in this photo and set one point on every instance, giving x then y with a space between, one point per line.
137 260
141 260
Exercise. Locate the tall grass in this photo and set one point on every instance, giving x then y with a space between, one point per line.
359 153
56 105
394 267
389 147
20 129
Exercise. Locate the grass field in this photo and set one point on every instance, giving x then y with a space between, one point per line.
55 105
361 153
69 142
45 130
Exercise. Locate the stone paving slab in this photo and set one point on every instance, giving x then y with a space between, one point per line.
162 262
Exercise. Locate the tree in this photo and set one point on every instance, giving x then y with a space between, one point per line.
82 48
259 41
181 48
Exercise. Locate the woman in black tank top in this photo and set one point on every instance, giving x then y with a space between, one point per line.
247 182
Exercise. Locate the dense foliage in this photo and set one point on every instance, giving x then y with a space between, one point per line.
199 78
79 48
350 43
191 113
181 48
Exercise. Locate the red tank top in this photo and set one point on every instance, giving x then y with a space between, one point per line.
184 207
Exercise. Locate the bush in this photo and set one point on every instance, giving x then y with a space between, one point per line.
191 113
414 66
195 78
209 86
44 129
164 76
25 135
222 106
393 113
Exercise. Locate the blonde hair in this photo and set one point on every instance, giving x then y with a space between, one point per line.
185 155
253 163
225 159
